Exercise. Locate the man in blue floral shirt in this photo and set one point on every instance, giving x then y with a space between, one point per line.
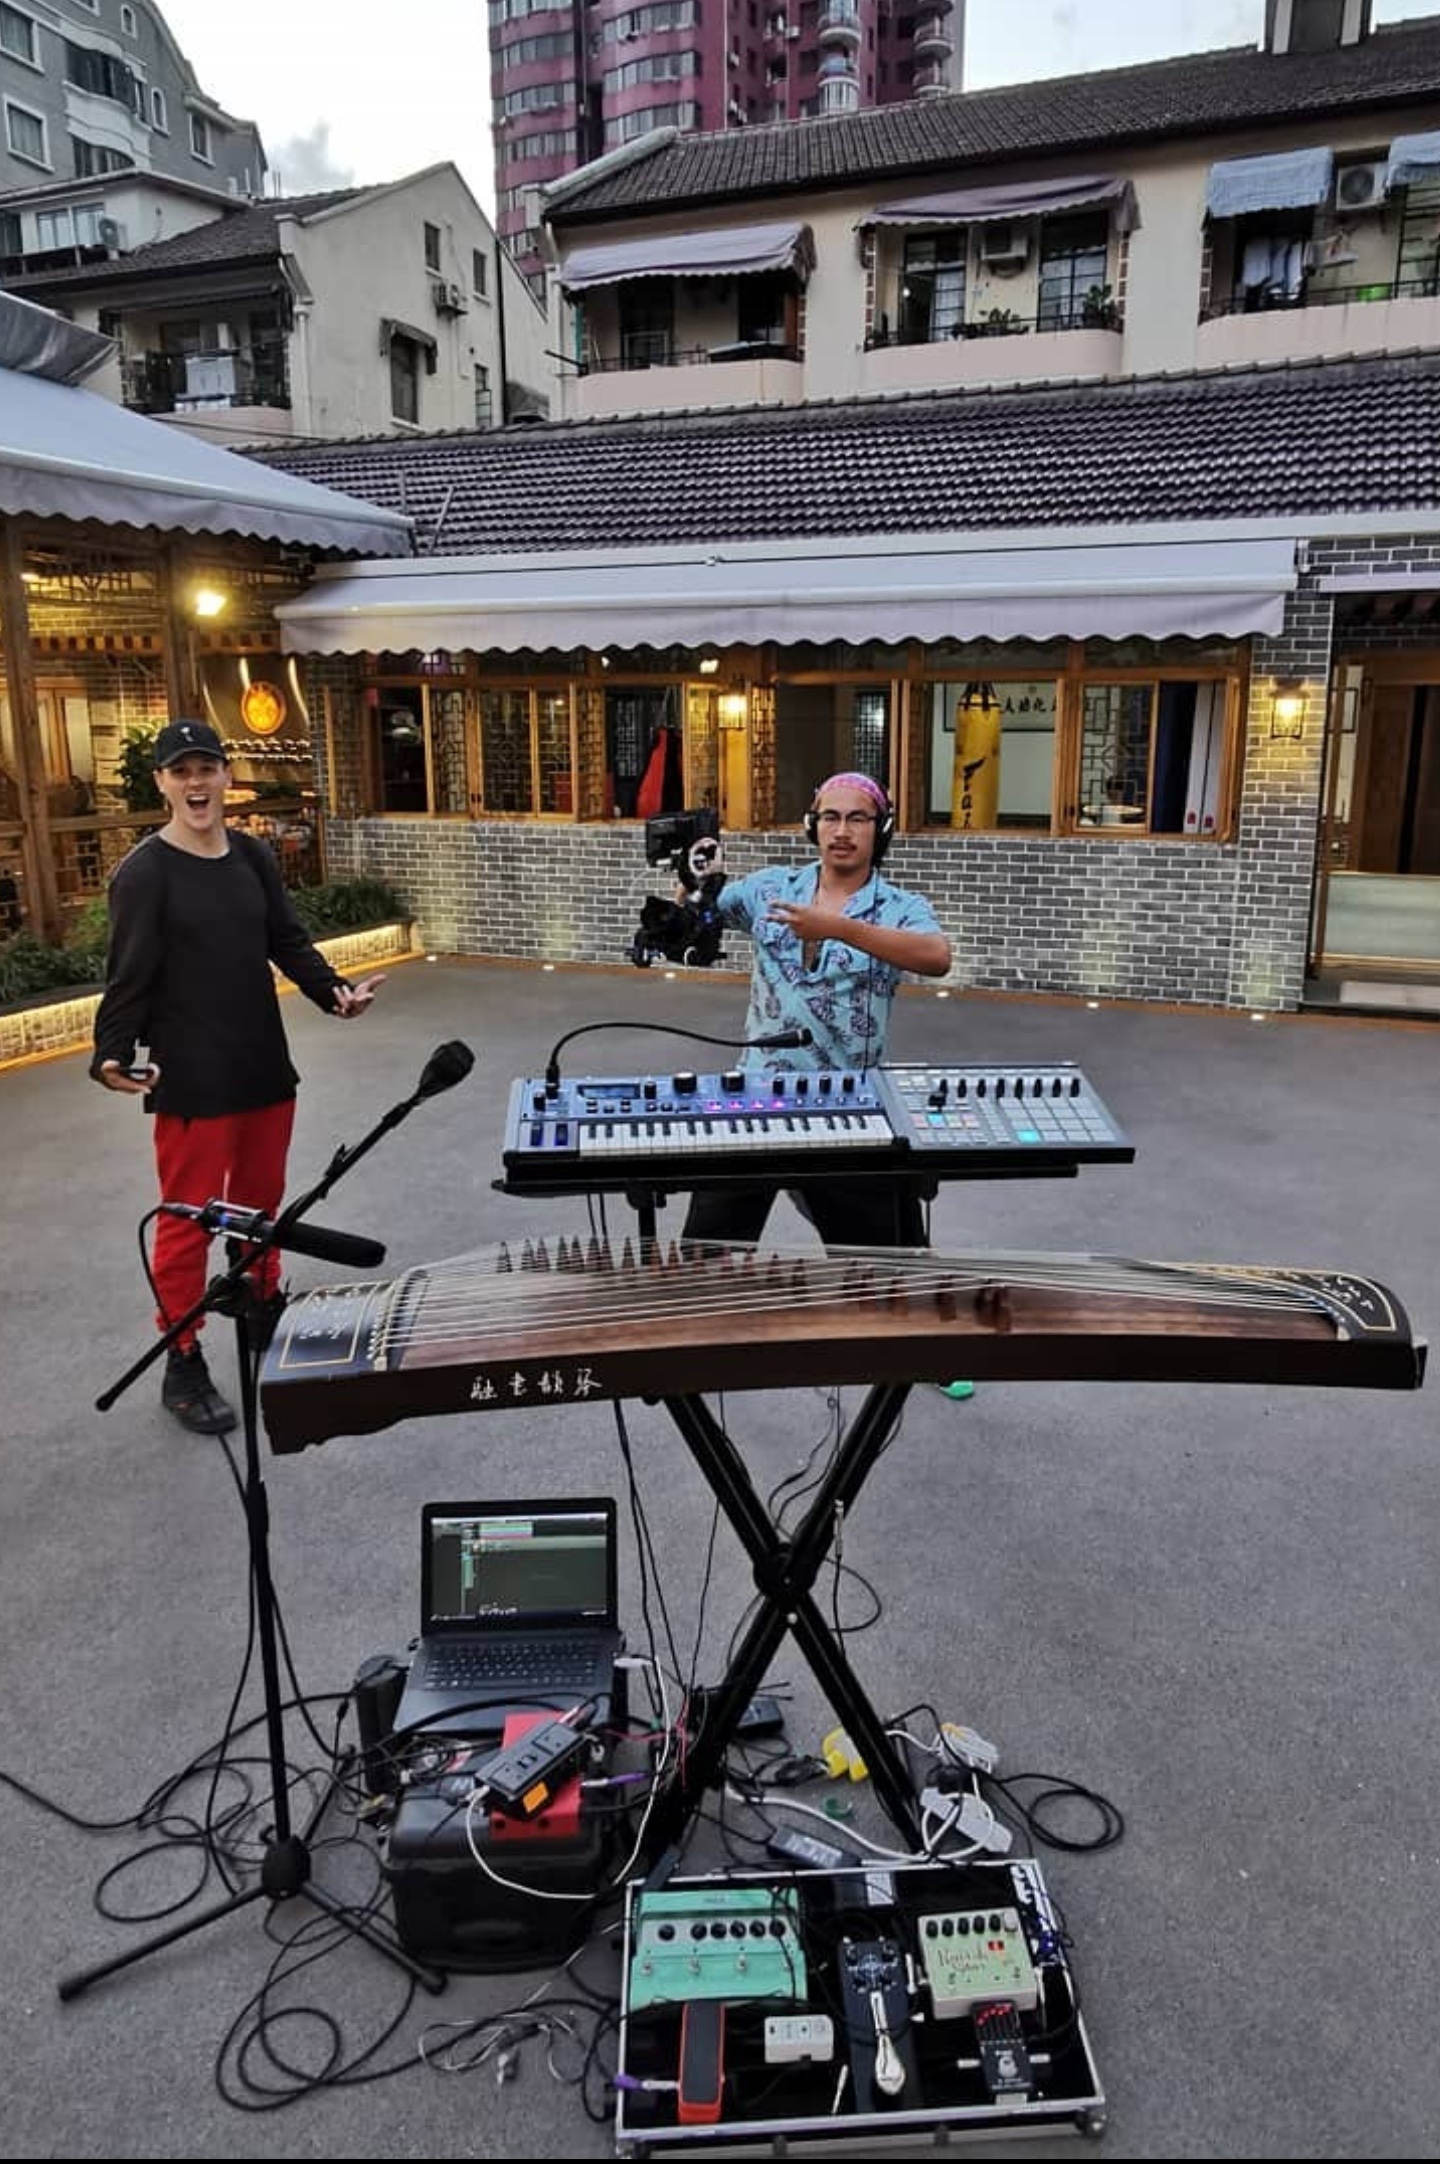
832 942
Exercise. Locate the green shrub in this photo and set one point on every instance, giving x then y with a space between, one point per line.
346 905
136 773
28 966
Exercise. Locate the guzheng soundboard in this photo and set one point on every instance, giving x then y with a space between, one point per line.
687 1130
583 1321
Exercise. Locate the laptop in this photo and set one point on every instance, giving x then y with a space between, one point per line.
517 1614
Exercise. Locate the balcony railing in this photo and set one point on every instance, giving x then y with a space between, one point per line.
252 375
653 350
1265 300
999 323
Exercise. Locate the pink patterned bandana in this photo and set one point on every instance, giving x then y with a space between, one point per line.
869 788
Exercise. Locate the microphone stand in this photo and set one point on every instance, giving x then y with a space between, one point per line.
285 1870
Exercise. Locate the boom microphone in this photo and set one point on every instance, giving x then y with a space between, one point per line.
348 1248
447 1065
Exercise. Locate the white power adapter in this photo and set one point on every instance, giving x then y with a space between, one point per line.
792 2037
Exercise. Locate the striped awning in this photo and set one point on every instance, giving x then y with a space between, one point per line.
731 251
1020 199
1285 180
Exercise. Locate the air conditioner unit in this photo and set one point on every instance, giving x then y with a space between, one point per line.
1360 187
450 299
110 233
1005 241
792 35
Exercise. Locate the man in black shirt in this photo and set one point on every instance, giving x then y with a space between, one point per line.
197 915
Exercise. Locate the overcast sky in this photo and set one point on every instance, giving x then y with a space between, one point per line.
348 90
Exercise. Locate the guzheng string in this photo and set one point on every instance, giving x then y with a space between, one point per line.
587 1284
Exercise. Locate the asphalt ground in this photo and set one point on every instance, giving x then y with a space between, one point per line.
1213 1605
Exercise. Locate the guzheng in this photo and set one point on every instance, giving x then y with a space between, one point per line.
588 1320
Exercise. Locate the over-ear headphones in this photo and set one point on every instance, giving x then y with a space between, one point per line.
884 828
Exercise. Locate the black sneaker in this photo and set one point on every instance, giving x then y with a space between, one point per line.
191 1396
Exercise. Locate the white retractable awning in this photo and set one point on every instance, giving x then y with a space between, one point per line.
887 589
66 453
730 251
1021 199
1285 180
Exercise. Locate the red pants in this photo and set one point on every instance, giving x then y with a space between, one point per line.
239 1158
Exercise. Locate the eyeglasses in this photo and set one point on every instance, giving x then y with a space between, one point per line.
833 819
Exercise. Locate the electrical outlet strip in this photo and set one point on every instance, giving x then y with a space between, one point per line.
970 1749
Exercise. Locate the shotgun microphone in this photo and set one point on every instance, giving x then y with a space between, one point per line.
350 1249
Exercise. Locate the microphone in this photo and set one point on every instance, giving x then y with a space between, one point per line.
784 1040
447 1065
349 1248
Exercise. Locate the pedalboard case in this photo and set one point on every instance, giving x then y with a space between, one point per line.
768 2013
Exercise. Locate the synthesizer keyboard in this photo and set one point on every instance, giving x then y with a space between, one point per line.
686 1130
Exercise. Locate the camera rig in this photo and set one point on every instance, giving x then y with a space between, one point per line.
690 930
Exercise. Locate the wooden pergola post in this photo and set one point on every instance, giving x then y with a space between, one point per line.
182 678
36 847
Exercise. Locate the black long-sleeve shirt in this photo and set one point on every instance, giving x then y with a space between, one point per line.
188 975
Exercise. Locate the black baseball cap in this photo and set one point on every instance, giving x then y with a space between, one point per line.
178 739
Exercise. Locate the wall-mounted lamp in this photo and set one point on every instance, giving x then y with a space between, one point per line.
208 601
710 665
1287 711
732 709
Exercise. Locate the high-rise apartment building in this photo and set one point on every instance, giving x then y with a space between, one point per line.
92 87
572 81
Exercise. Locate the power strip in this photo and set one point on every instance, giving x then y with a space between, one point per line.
792 2037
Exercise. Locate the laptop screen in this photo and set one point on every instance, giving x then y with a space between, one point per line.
518 1566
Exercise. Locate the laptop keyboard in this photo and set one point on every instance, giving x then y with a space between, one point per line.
525 1660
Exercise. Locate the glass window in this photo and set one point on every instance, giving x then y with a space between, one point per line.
932 286
479 271
200 136
52 229
449 769
432 246
17 34
1072 265
1152 757
484 403
404 378
505 751
991 752
403 785
158 114
25 133
639 719
647 323
825 729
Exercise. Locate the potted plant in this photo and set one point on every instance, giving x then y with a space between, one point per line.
136 771
1099 311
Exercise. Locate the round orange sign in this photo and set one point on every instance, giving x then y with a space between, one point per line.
262 708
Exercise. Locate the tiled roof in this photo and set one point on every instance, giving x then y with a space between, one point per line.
247 235
1271 442
1200 94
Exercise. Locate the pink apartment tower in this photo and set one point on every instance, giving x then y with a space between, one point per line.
573 81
